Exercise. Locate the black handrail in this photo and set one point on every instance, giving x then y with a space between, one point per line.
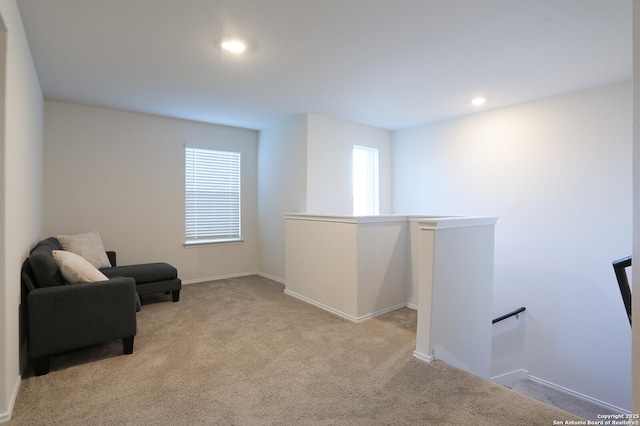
510 314
623 282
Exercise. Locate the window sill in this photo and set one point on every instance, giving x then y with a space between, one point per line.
200 243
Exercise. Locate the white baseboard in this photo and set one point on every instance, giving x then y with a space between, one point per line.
340 313
381 312
224 277
272 278
219 277
510 379
579 395
5 417
423 357
320 305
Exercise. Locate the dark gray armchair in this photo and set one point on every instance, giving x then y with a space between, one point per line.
61 317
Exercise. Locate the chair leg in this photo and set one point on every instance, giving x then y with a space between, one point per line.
176 295
127 345
41 365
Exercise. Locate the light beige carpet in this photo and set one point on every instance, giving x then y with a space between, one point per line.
240 352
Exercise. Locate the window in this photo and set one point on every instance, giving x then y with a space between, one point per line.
212 196
365 181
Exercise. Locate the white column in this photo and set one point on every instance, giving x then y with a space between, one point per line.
455 292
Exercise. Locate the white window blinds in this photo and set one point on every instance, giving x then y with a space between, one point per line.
212 195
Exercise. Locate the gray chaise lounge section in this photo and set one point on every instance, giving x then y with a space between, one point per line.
150 277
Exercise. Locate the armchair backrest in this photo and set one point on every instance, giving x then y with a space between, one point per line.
26 274
44 269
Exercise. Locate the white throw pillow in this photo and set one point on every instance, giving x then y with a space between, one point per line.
88 245
75 269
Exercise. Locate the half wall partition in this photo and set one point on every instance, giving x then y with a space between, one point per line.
359 267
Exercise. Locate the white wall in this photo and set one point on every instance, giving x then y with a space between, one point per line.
636 201
322 264
282 181
329 163
21 190
558 174
122 174
304 165
354 267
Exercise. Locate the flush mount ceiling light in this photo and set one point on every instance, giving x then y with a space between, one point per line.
478 101
234 46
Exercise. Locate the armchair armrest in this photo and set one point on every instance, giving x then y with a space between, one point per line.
71 316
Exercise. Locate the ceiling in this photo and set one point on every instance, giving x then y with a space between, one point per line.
386 63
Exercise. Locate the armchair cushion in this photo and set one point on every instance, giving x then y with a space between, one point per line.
76 269
87 245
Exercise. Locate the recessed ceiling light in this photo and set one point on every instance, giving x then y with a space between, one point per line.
478 101
234 46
